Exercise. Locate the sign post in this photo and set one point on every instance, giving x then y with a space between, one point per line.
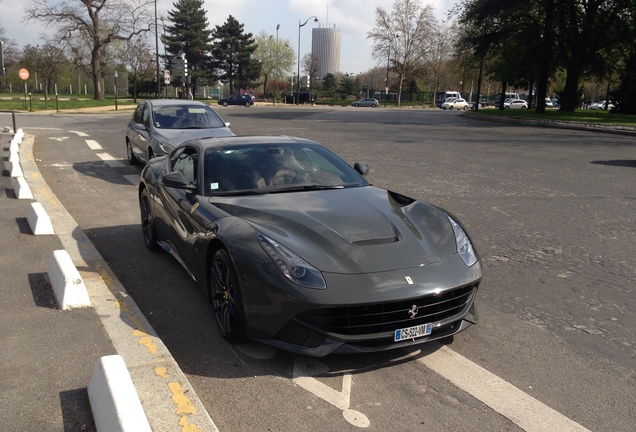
24 74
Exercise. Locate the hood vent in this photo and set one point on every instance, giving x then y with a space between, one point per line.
376 241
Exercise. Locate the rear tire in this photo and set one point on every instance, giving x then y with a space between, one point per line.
225 104
225 294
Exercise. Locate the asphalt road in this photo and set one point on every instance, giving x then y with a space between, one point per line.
551 212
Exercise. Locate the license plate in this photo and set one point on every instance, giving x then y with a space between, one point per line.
413 332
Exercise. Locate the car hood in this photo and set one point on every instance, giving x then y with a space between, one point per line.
354 230
177 136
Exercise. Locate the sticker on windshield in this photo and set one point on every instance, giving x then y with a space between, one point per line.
214 186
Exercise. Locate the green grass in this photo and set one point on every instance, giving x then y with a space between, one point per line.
17 102
579 116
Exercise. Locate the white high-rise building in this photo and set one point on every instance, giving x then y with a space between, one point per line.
325 45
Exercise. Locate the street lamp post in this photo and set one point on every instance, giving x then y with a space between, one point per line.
388 59
386 89
157 51
298 83
116 76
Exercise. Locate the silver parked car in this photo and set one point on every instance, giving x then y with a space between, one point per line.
366 102
158 126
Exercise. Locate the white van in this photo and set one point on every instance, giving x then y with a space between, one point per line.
452 94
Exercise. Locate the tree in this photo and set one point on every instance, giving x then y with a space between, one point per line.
329 85
440 52
514 41
11 55
232 58
276 58
92 25
136 55
402 36
189 35
46 62
585 30
348 86
310 65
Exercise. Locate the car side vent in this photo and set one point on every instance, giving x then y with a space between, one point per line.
376 241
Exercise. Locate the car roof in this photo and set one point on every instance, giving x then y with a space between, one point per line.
172 102
264 140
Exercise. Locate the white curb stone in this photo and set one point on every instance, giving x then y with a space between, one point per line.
68 286
39 220
14 147
19 135
114 401
14 169
21 188
14 157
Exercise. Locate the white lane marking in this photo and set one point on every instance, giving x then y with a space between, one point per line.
59 138
339 399
42 128
93 145
109 160
134 179
82 134
520 408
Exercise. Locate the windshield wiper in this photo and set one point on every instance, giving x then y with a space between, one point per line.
239 193
303 188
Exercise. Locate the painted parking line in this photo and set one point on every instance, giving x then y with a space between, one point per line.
520 408
82 134
109 160
93 145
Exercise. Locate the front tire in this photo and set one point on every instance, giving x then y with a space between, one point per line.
225 104
227 301
148 222
132 159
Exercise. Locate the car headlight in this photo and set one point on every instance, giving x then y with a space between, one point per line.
464 246
291 265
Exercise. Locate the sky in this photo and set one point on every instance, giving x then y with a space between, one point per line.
354 18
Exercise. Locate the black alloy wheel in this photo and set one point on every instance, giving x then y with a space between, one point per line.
226 297
148 222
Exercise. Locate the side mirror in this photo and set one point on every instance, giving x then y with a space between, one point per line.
227 124
361 168
140 126
177 180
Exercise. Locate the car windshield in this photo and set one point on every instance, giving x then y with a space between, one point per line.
186 117
272 168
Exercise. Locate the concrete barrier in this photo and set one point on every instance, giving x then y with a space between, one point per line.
114 401
68 286
14 169
39 220
14 157
22 189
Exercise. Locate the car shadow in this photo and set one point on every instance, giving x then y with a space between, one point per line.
178 310
629 163
102 171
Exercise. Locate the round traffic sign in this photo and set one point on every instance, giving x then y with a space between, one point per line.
24 74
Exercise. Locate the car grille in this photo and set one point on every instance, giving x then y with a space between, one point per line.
388 317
